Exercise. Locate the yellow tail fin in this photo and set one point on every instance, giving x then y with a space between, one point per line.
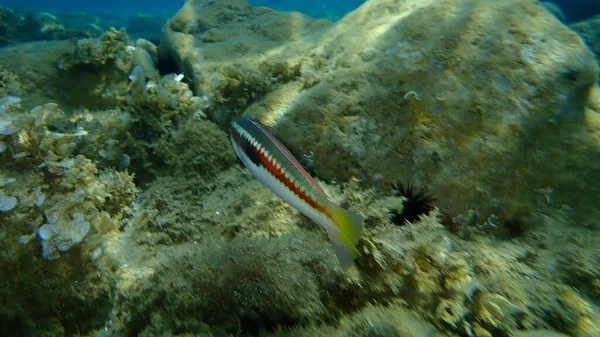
345 238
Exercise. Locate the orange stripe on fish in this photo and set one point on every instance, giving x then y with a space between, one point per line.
278 173
273 164
290 157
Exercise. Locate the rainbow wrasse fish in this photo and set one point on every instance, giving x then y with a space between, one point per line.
273 164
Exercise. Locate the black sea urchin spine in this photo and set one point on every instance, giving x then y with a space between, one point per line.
417 203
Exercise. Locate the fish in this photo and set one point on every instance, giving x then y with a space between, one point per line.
274 165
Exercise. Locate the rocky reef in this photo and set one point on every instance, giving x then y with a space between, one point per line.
18 26
474 111
23 26
123 211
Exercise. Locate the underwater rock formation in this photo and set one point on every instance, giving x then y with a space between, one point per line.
555 10
229 34
475 100
23 26
57 212
122 211
589 30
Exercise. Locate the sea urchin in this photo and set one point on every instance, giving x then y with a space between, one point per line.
417 202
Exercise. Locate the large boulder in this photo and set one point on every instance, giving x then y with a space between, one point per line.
488 103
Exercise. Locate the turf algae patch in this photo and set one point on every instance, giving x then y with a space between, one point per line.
197 148
242 286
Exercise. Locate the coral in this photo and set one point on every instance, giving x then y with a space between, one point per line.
115 92
7 202
164 98
58 235
108 142
77 195
93 70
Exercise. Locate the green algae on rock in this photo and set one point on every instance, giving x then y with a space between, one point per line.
469 98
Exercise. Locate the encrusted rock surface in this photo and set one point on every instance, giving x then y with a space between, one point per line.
590 32
484 102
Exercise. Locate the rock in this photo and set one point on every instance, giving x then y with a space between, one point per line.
54 70
223 46
555 10
589 30
469 98
33 70
23 25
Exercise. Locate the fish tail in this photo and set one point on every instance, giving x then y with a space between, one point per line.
345 236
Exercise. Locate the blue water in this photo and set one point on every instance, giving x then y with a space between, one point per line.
333 9
574 10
